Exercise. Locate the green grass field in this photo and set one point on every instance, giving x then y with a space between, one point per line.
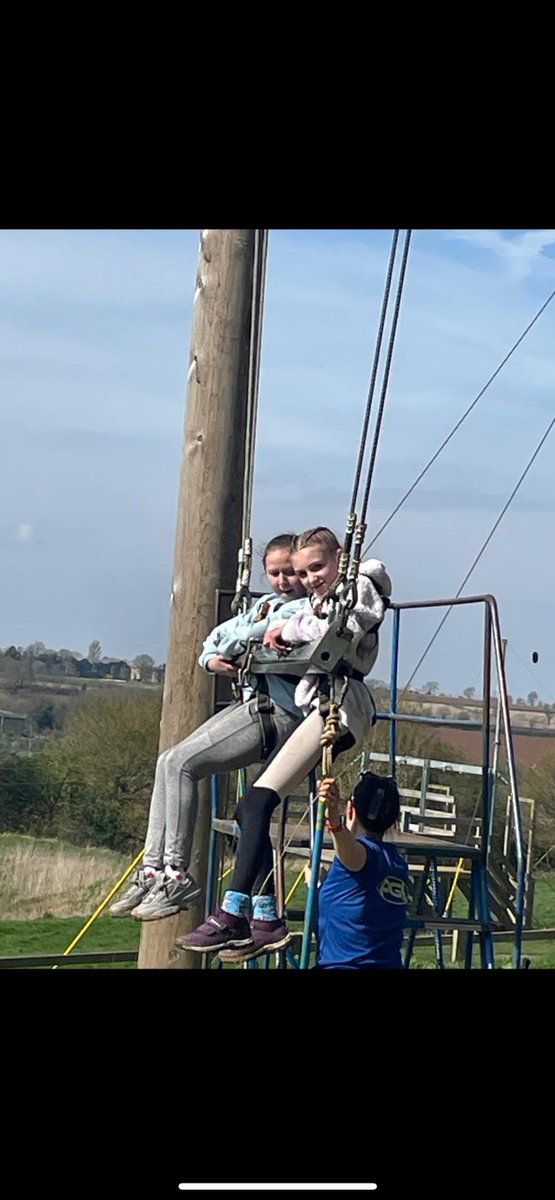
51 935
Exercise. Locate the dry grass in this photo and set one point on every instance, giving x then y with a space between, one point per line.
40 876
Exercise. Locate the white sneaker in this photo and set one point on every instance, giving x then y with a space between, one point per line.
167 897
141 885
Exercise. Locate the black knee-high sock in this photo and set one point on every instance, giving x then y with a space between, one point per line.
254 855
264 884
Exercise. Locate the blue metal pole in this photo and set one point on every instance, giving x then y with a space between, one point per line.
496 744
211 880
438 937
311 910
486 939
418 910
486 710
482 897
393 688
475 868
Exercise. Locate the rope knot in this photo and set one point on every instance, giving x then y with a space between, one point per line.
330 732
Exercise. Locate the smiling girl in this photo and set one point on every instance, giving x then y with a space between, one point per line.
315 558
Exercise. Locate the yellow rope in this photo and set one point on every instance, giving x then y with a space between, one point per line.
453 886
106 901
102 906
329 737
300 876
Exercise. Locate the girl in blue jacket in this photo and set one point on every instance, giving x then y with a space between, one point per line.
233 738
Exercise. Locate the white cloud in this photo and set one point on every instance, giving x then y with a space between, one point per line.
519 253
24 533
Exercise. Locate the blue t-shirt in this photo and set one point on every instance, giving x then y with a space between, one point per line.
362 914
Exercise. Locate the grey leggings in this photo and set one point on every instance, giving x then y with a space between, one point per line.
227 741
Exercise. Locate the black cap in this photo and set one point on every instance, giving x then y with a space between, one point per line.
376 800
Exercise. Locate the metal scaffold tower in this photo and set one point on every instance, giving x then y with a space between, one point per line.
445 850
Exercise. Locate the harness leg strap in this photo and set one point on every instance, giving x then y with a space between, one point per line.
265 708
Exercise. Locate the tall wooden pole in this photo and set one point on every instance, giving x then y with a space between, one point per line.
209 522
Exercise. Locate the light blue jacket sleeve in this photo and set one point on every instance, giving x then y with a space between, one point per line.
254 623
213 643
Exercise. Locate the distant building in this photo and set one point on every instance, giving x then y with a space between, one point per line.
148 675
52 664
11 722
119 669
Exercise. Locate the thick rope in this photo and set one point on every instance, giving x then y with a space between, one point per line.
329 737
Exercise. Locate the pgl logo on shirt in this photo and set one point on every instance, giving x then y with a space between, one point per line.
394 890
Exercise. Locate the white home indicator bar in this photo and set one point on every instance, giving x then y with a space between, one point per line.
277 1187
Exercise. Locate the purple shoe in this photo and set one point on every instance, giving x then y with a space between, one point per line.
267 936
221 929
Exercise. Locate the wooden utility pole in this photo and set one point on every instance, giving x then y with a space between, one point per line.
209 523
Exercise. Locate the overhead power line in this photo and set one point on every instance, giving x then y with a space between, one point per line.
481 551
459 423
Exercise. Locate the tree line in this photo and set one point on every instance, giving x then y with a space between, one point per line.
91 782
20 665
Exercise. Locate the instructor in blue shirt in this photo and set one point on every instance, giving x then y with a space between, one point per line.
363 899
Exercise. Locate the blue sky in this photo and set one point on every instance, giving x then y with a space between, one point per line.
94 341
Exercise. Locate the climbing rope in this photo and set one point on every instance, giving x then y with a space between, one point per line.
330 735
352 517
345 588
